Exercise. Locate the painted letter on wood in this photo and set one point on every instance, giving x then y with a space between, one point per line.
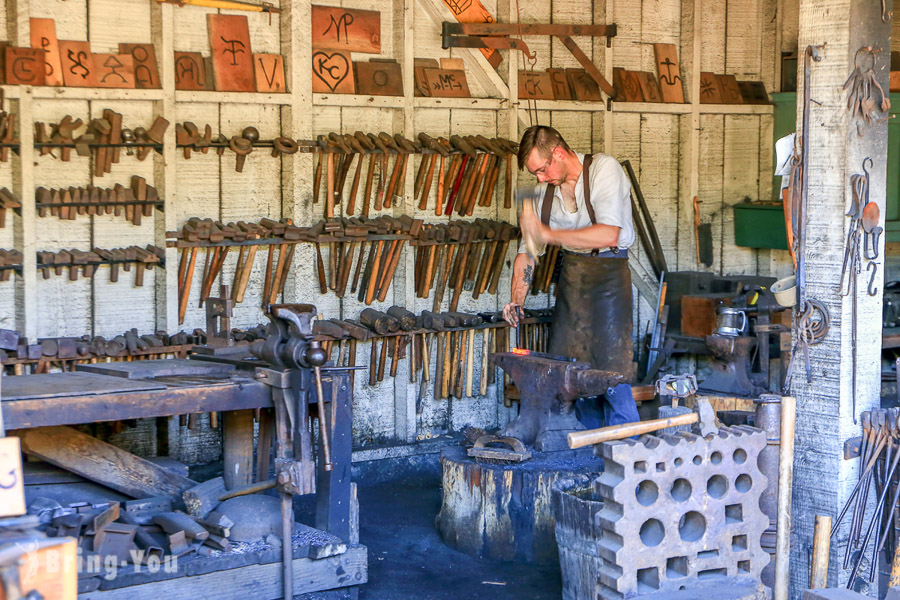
43 37
332 72
347 29
146 72
229 42
77 64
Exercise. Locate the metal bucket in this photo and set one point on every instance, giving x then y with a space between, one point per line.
574 508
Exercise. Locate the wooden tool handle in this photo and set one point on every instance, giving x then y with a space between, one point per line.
785 480
439 195
329 196
367 194
245 275
580 439
320 270
818 576
697 226
373 362
317 179
426 185
354 190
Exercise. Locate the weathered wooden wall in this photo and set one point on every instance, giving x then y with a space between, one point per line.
735 162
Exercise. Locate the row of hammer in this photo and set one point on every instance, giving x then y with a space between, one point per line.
16 349
402 334
375 245
135 201
104 134
10 260
436 268
8 201
473 165
88 261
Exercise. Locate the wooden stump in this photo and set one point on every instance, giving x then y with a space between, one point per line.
503 512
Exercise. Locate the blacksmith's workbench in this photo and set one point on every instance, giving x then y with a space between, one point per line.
164 388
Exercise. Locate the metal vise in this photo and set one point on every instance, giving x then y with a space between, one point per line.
548 387
289 340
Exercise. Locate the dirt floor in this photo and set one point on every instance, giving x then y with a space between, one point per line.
407 558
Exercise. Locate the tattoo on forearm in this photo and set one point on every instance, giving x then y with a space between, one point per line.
528 274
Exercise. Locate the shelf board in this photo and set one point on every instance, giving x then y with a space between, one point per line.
655 107
233 97
465 103
357 100
74 93
14 92
737 109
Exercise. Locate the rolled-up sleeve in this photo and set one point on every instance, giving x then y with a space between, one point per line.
536 202
610 193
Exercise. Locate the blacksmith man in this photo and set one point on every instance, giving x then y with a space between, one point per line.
592 319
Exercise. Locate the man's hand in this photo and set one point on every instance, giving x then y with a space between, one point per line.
511 313
532 227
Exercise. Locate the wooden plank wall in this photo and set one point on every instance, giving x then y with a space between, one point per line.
735 163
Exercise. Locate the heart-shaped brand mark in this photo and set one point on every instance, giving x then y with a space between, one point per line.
332 69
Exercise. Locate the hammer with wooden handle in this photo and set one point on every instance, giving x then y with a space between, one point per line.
524 200
366 143
703 415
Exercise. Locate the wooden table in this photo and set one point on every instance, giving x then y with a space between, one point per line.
164 388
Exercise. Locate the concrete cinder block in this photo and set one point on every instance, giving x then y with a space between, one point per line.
731 590
679 511
838 594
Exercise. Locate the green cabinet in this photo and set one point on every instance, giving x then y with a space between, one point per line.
785 119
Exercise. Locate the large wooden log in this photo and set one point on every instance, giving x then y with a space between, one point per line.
503 511
101 462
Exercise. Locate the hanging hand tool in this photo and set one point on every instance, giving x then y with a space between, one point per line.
871 216
317 177
389 143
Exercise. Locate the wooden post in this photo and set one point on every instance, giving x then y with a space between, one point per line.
818 575
237 448
785 479
826 413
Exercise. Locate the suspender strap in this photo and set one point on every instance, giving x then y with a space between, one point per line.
547 205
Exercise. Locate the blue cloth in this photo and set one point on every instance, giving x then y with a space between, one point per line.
617 407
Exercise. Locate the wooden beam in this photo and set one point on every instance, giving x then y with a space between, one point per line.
827 408
479 67
72 410
253 581
101 462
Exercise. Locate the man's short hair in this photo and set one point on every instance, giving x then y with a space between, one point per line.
542 137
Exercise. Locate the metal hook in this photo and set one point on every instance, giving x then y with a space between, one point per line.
873 266
871 164
886 14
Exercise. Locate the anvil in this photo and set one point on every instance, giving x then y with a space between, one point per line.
548 387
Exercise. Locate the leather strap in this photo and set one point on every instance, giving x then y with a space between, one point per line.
547 205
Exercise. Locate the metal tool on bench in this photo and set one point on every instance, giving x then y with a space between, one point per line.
548 387
295 359
704 416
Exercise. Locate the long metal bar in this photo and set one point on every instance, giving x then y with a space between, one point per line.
528 29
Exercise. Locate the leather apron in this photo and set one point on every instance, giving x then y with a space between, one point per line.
592 321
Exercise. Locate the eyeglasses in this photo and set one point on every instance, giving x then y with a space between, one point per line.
542 170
